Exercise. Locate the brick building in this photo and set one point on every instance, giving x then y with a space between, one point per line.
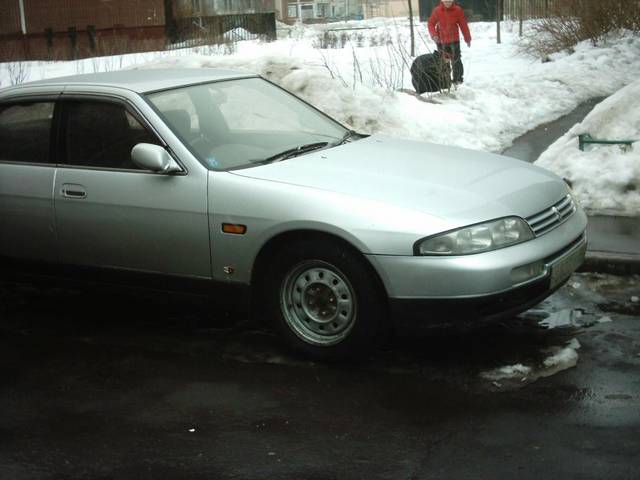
67 29
64 29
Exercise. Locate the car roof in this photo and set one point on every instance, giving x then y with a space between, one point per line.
141 81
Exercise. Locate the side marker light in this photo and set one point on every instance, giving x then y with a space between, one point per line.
234 228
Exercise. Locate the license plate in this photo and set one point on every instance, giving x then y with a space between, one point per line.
565 267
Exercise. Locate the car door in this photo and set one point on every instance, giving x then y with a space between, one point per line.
109 212
27 170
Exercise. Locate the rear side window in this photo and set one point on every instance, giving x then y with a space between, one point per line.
102 134
25 132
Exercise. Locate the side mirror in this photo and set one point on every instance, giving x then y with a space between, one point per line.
154 158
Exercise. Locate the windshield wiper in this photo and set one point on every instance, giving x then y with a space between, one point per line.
292 152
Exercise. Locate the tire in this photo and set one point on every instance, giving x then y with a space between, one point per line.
325 300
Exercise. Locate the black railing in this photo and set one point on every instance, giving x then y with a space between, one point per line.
212 29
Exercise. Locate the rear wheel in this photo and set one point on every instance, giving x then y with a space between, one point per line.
325 300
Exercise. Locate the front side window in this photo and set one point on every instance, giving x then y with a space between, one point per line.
242 122
25 132
101 134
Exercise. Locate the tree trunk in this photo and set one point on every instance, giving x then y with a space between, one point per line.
521 15
498 18
413 38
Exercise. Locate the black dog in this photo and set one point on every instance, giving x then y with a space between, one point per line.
431 72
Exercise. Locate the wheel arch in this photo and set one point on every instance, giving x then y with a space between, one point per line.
278 242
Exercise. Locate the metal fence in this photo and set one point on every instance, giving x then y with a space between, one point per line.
223 28
526 9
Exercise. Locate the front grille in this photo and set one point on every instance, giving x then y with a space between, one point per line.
550 218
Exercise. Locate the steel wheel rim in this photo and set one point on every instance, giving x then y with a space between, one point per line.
318 303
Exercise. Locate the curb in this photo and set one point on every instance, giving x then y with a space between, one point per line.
613 263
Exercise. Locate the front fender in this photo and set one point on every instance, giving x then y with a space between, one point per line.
269 209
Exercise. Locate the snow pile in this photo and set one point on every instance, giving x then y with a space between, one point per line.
561 358
238 34
556 360
606 178
503 96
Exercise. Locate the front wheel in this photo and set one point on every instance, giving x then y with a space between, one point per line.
325 300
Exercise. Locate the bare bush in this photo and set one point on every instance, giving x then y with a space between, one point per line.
18 71
107 64
380 39
111 50
572 21
332 69
386 66
330 39
229 47
326 40
388 71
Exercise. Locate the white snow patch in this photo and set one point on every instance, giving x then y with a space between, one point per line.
560 358
509 371
563 358
605 178
562 318
605 319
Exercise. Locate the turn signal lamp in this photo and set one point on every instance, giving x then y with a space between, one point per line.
234 228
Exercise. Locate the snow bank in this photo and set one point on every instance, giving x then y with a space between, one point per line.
606 179
504 94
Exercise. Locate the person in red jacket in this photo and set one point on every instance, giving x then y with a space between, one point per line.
444 22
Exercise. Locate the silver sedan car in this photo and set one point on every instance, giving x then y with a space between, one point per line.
222 183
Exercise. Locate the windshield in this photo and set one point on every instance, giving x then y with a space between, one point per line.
243 122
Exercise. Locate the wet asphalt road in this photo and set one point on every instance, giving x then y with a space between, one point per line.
101 386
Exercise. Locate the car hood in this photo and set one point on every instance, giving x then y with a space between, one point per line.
448 182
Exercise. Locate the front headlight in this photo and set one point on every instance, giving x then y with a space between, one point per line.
476 238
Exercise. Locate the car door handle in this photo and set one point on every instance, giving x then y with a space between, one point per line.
71 190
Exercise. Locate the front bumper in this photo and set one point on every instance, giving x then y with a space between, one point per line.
412 313
482 285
